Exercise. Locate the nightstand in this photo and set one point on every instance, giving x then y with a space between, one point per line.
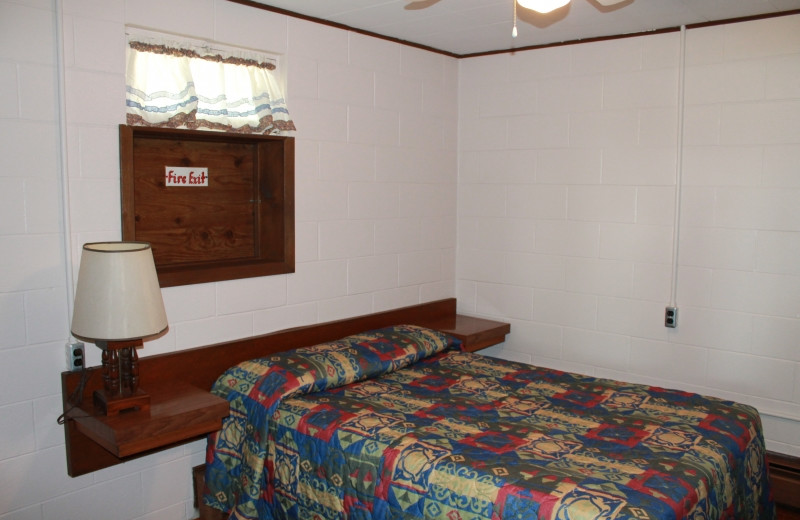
474 333
178 412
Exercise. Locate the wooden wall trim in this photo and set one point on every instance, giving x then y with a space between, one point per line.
633 35
784 474
300 16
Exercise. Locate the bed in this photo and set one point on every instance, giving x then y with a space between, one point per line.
403 422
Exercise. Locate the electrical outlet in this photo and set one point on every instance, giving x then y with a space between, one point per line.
671 317
75 357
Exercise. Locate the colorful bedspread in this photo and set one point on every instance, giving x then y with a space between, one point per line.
397 423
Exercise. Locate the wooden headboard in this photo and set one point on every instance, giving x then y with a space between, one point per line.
201 366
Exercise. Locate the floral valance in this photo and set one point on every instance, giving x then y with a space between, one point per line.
179 85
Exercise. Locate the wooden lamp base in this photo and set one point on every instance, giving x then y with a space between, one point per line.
121 390
138 401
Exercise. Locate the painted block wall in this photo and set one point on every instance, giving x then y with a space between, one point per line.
398 222
568 161
375 210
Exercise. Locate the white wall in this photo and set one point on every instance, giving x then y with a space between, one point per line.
565 218
568 166
375 209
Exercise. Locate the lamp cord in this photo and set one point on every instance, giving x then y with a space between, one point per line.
75 399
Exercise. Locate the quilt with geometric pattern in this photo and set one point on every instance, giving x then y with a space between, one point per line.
399 423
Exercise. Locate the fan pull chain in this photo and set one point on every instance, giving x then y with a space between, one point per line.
514 30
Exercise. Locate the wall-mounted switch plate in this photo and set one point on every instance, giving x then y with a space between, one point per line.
75 356
671 317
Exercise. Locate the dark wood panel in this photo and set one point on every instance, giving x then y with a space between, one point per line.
187 224
240 225
783 513
784 474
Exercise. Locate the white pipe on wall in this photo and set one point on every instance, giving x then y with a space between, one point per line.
677 224
66 221
678 169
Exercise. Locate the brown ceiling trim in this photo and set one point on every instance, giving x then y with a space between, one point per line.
569 42
342 26
743 19
633 35
257 5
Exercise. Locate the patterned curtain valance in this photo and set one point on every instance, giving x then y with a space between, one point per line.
177 85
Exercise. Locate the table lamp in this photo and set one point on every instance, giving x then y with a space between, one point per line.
117 304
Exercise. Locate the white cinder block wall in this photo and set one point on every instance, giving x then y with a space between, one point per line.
567 175
375 209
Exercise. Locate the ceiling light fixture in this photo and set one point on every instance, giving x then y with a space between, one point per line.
546 6
542 6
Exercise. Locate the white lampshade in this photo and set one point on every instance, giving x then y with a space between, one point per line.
118 297
542 6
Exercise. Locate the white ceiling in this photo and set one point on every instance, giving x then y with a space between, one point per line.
473 26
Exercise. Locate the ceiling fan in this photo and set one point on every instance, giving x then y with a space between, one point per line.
545 6
541 6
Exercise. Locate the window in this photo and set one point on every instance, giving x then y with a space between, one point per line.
182 85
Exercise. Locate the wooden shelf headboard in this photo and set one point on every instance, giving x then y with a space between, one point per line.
201 366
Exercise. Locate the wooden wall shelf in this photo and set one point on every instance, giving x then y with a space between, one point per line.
178 412
182 408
